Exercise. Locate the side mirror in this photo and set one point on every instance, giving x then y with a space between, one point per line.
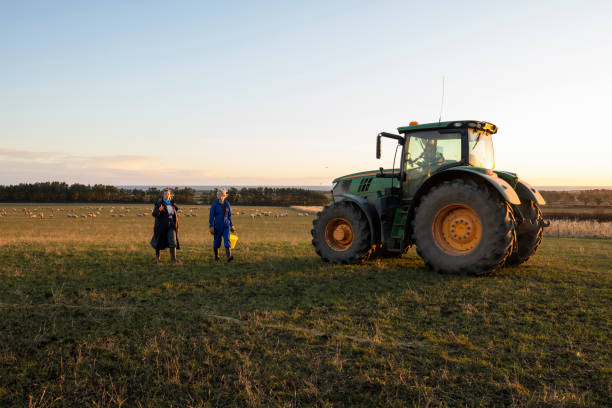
378 146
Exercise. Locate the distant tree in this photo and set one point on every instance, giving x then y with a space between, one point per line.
184 195
79 193
153 194
584 197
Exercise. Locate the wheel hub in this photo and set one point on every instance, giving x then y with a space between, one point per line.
339 234
457 229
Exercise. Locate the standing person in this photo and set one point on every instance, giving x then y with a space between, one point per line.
165 231
220 224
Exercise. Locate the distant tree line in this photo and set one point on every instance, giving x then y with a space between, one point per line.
581 197
269 196
55 192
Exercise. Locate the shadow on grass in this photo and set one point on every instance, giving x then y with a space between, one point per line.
105 316
276 277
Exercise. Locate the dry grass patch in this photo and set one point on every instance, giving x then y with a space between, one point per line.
573 228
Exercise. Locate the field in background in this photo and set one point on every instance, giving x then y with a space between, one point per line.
87 319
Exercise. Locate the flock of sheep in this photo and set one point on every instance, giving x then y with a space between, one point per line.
120 212
32 213
258 213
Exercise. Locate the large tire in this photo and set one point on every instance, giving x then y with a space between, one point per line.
341 234
528 234
463 228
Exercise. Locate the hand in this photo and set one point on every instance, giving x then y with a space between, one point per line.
233 229
212 231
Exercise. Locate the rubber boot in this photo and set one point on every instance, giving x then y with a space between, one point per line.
157 256
228 252
216 251
173 255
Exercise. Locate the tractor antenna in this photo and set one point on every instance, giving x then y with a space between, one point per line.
441 103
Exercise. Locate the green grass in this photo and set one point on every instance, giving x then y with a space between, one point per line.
87 319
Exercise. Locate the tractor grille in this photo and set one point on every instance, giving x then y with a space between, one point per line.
364 185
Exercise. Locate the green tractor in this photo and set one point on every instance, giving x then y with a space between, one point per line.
445 198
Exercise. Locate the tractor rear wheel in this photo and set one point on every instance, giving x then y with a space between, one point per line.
528 234
463 228
341 234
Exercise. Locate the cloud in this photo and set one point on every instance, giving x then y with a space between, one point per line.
20 166
119 162
29 166
26 155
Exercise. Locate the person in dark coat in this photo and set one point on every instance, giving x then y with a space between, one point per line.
220 224
165 230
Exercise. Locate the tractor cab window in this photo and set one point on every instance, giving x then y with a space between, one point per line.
481 149
425 153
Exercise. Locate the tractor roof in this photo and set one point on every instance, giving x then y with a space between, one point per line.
452 125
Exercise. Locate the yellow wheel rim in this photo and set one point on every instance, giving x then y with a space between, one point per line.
457 229
339 234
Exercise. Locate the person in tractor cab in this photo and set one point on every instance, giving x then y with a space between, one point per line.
220 224
432 157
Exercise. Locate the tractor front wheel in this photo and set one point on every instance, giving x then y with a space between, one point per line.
341 234
463 228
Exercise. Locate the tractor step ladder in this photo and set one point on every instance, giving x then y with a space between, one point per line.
398 228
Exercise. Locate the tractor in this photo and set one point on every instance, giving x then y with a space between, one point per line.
445 198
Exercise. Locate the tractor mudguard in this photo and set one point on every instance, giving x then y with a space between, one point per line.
504 189
370 212
528 193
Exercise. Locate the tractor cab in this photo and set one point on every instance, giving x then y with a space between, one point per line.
435 147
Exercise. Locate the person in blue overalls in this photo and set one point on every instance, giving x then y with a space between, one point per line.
220 224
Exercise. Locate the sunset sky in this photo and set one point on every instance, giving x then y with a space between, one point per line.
294 93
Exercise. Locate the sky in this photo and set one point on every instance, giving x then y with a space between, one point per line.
294 93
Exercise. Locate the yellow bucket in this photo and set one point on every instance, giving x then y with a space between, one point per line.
233 240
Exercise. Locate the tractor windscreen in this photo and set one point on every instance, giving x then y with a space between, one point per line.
481 149
428 151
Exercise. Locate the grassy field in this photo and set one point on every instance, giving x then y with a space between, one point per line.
88 319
